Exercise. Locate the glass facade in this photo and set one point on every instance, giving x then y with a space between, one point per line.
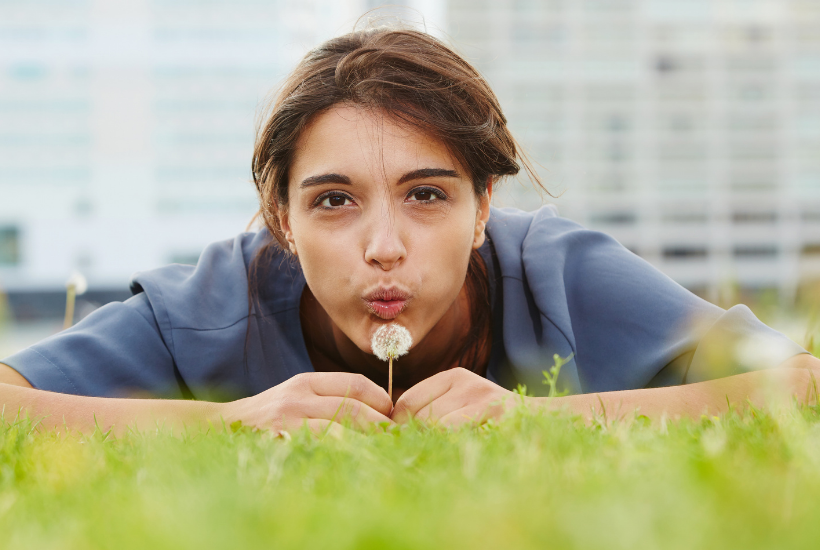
688 130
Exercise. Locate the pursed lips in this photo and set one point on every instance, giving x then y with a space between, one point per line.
387 303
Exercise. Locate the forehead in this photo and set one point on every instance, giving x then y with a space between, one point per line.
356 140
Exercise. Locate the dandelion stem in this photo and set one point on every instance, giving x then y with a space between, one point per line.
69 306
390 379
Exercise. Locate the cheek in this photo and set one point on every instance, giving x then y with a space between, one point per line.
328 263
442 254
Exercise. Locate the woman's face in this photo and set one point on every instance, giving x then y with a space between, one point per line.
383 221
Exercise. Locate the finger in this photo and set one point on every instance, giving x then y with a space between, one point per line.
471 415
319 427
323 428
421 400
459 418
352 386
339 409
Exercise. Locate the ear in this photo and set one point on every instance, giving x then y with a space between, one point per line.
483 214
287 232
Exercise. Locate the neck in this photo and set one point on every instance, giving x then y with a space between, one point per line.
330 350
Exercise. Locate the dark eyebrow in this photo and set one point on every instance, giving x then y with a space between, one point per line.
409 176
428 173
324 178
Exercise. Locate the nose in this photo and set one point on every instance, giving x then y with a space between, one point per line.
384 247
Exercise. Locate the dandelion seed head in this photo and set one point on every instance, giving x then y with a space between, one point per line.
391 341
78 282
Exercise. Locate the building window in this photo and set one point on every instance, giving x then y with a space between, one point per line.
754 217
755 251
613 218
684 252
752 183
685 217
186 258
9 246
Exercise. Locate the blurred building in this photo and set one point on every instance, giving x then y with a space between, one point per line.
688 129
126 131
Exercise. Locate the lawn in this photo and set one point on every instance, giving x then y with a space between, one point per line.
747 480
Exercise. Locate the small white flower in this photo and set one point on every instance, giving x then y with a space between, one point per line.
391 341
78 282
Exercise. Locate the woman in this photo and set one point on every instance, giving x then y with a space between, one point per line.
375 168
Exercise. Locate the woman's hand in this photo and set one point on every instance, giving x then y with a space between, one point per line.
453 397
319 399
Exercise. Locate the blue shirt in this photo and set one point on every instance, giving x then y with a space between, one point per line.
556 288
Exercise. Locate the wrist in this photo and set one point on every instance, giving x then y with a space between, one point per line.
568 403
219 414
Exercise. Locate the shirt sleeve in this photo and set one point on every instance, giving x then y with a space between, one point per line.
117 350
186 333
629 325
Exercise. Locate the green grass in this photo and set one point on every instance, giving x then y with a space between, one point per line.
530 481
748 480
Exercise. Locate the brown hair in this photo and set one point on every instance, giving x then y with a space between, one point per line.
418 81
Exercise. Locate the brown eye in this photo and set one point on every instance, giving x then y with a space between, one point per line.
331 201
425 195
